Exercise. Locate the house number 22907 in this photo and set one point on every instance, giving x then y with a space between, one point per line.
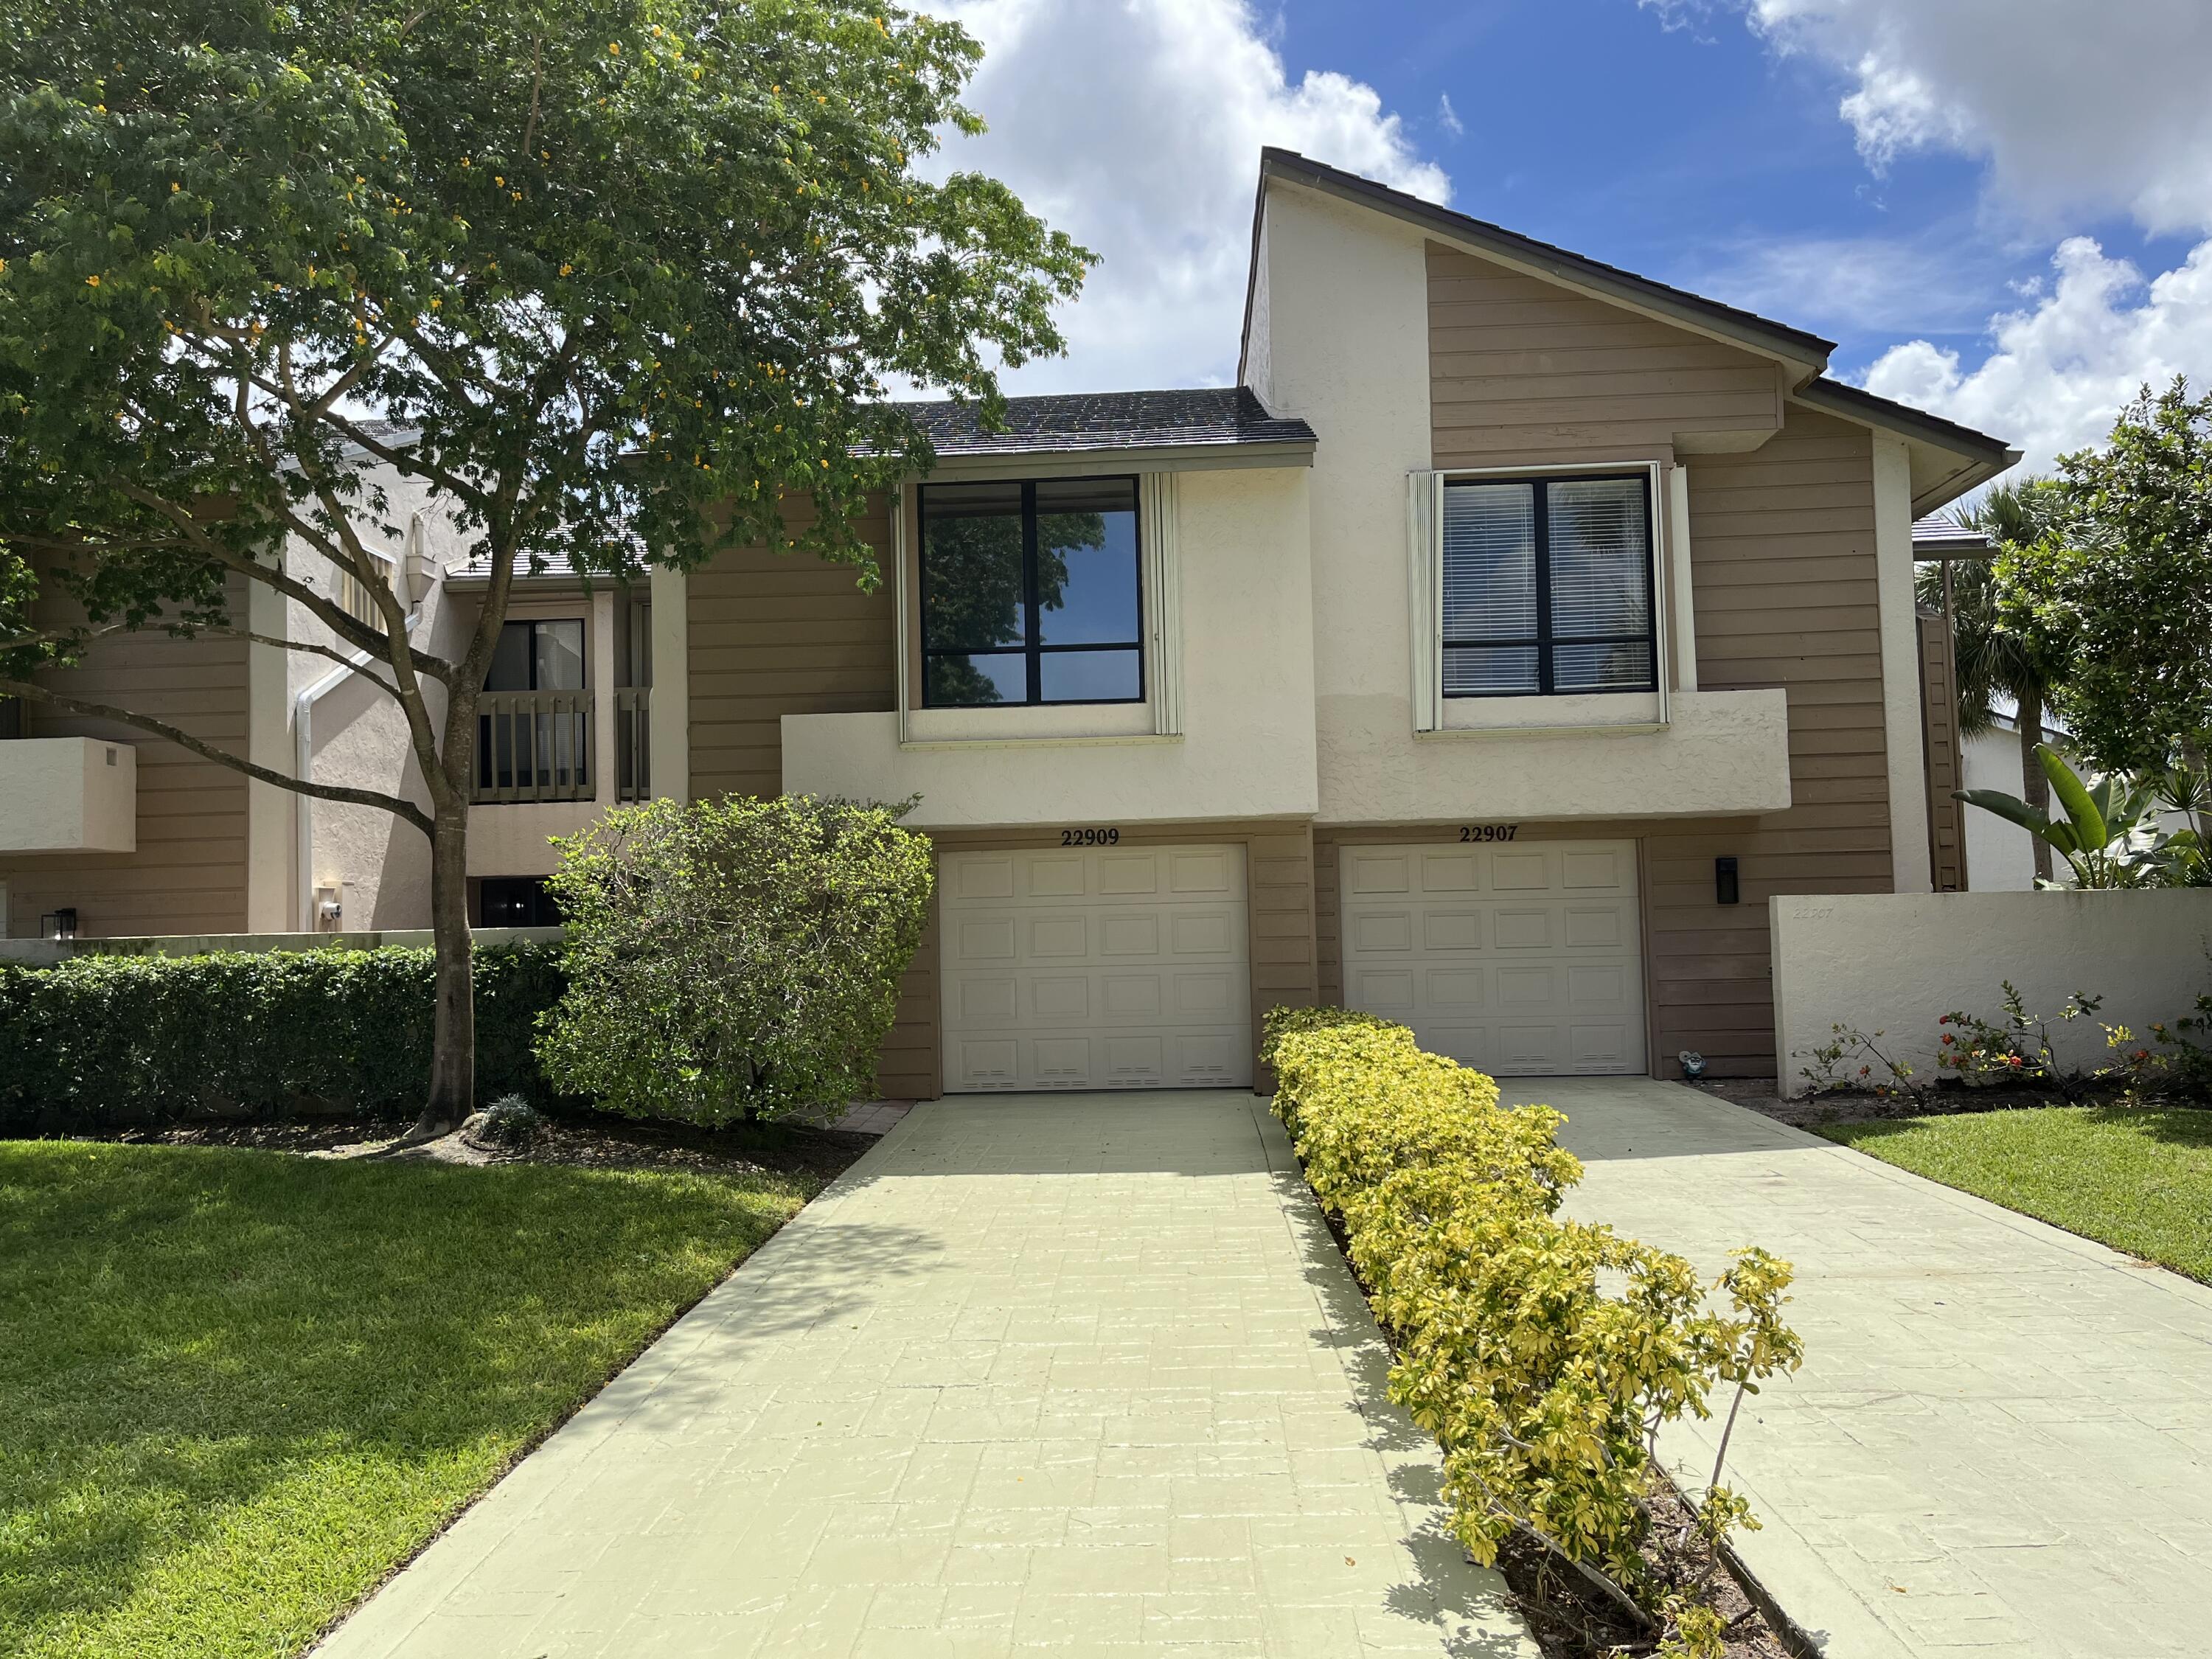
1488 831
1093 837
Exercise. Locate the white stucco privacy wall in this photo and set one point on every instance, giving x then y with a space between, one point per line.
1895 962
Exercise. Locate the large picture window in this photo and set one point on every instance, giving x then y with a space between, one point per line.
1547 587
1031 593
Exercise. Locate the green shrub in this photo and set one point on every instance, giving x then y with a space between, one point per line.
733 959
102 1041
1546 1390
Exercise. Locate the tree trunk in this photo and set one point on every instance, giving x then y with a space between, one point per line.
453 1043
2034 786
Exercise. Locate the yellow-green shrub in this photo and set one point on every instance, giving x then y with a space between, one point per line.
1545 1388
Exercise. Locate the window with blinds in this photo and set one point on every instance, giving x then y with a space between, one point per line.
1547 587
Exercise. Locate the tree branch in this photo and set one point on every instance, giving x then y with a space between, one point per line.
282 644
391 803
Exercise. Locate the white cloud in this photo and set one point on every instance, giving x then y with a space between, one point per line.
1136 126
1938 279
2077 106
1448 117
2081 111
2064 368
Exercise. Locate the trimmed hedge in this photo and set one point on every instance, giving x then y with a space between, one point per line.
1544 1354
101 1041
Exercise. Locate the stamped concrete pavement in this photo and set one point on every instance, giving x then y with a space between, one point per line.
2001 1440
1045 1374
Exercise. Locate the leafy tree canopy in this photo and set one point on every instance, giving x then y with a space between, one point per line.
2121 590
597 266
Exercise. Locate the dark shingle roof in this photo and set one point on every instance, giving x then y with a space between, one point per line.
1076 422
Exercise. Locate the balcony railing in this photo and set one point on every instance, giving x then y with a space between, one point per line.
634 742
534 746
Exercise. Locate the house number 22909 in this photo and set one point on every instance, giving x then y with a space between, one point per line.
1488 831
1093 837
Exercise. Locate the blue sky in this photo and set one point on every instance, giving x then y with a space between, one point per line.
1696 155
2001 209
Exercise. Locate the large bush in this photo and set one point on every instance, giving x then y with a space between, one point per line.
101 1040
733 959
1544 1354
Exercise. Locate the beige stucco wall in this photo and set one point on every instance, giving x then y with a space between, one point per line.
1895 962
69 795
1247 745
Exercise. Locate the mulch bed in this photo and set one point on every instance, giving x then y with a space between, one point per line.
1570 1620
589 1142
1943 1099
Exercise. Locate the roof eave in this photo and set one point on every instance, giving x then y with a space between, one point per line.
1151 457
1980 456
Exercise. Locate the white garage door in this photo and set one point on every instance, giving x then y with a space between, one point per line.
1517 959
1104 968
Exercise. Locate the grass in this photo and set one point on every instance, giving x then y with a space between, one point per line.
238 1388
2139 1180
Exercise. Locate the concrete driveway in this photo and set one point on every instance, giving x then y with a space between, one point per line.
2000 1441
1069 1374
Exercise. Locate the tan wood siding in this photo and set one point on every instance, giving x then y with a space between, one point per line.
1939 732
188 875
1782 566
774 635
1523 372
1279 872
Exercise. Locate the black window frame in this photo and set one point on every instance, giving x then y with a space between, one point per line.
1544 639
1032 649
531 624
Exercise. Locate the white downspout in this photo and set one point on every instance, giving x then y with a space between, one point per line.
303 733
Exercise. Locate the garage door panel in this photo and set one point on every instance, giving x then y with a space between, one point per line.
1516 959
1378 873
1107 968
1382 932
1135 933
1452 930
1059 936
1522 928
983 939
1055 999
1062 876
1456 871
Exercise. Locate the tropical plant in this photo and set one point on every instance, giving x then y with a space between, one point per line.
2110 836
733 959
1544 1354
1995 661
2122 588
2017 1049
624 281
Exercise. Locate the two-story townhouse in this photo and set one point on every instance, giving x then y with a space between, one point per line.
1485 657
106 832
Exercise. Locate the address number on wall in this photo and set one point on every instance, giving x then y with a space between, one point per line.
1091 837
1488 831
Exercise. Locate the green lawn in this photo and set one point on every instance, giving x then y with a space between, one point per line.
237 1388
2140 1180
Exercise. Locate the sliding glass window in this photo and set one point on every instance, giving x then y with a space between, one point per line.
1031 593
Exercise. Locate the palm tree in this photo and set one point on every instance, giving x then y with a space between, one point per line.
1992 661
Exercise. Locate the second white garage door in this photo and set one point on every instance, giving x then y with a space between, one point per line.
1105 968
1516 959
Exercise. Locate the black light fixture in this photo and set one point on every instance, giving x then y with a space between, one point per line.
1725 891
59 924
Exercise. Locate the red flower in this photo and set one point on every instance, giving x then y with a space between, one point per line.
1947 1037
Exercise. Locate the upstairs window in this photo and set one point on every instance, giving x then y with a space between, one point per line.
1031 593
1547 587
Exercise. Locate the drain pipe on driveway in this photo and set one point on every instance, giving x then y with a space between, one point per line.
303 738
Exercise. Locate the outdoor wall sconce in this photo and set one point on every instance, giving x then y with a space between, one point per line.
59 924
1725 891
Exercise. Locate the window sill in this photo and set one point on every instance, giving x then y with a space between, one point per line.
1549 716
1075 722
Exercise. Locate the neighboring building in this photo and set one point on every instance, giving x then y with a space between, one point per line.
1487 658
